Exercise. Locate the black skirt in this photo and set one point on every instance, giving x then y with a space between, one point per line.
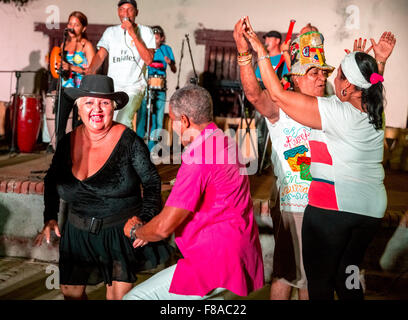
89 259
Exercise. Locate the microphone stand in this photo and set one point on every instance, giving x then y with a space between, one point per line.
195 79
60 72
181 58
14 148
149 108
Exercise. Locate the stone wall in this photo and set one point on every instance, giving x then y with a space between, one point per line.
21 218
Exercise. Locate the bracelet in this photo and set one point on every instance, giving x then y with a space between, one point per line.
243 54
263 57
380 62
244 60
241 64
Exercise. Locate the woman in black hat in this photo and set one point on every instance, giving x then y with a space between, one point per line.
97 169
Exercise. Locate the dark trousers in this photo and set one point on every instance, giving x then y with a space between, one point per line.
333 241
67 105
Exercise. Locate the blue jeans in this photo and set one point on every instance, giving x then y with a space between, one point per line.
158 105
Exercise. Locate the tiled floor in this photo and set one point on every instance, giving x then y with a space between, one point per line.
23 279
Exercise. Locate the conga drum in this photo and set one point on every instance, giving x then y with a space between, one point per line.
49 103
157 82
28 121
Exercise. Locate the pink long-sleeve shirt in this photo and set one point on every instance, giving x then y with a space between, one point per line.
219 241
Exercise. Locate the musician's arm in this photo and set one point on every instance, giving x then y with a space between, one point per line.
171 63
173 67
65 64
145 53
285 52
287 60
89 52
97 61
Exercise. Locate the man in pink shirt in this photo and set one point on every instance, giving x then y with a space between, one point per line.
209 209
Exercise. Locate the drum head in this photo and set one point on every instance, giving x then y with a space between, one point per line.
157 82
30 95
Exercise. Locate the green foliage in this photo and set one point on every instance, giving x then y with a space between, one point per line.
17 3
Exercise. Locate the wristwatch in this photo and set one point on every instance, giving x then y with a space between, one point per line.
133 232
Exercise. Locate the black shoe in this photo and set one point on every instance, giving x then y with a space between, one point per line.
50 149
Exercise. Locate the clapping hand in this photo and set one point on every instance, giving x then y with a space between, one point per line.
252 38
239 29
384 47
359 45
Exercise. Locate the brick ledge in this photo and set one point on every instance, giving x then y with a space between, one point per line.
35 187
22 186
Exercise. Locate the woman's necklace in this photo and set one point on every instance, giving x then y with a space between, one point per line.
94 139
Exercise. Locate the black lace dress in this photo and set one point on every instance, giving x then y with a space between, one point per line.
88 258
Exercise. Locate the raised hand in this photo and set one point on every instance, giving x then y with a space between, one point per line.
285 46
384 47
359 45
239 29
253 39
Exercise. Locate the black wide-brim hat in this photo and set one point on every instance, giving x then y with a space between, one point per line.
98 86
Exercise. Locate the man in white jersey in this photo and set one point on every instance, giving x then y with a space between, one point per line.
130 47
